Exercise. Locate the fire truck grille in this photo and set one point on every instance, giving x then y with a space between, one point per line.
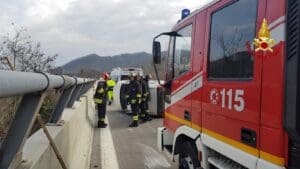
293 29
292 82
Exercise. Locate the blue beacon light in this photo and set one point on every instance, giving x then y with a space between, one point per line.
185 13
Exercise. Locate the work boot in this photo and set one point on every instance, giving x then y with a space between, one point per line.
148 118
101 124
134 124
143 119
109 103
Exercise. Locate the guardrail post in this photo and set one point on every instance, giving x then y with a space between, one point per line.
20 127
74 95
61 104
82 91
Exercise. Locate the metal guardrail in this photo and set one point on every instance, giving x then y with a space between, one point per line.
33 87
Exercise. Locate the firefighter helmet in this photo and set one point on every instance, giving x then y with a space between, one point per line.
105 76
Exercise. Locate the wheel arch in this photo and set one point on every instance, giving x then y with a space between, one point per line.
183 134
187 134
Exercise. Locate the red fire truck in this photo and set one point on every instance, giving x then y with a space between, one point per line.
232 93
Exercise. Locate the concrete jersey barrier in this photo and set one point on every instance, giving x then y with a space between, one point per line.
73 138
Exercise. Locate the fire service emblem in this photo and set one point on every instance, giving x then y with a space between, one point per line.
264 42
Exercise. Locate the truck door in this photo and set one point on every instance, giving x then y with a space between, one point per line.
232 74
197 61
178 112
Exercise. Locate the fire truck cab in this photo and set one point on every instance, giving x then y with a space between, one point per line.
231 86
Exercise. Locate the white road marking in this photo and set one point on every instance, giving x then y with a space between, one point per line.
108 153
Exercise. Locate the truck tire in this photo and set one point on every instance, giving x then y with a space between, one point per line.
188 156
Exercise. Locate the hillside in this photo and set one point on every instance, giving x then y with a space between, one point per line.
106 63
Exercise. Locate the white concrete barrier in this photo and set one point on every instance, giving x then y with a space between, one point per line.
73 139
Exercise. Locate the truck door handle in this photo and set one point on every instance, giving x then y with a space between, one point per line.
248 136
187 115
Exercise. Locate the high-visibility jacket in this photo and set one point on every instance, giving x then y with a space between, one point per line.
110 88
100 94
110 84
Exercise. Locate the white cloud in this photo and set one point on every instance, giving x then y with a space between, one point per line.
74 28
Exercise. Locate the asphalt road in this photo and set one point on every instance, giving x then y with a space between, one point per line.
134 148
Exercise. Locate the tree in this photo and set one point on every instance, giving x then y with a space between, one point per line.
228 44
23 53
36 60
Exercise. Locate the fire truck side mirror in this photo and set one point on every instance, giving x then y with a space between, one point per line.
156 52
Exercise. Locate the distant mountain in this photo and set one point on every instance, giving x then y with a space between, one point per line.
106 63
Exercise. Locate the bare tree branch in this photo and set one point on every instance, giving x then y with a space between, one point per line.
24 54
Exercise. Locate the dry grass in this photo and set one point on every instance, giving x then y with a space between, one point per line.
8 107
46 109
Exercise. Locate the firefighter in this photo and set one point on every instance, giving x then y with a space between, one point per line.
145 98
110 87
134 93
100 100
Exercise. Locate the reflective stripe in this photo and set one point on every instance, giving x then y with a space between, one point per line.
250 150
138 95
100 90
102 119
110 83
135 118
110 95
272 158
98 101
133 101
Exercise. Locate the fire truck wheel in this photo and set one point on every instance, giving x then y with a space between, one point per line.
187 156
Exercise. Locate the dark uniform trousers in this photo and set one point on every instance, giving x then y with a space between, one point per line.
135 111
101 111
134 94
100 100
145 98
